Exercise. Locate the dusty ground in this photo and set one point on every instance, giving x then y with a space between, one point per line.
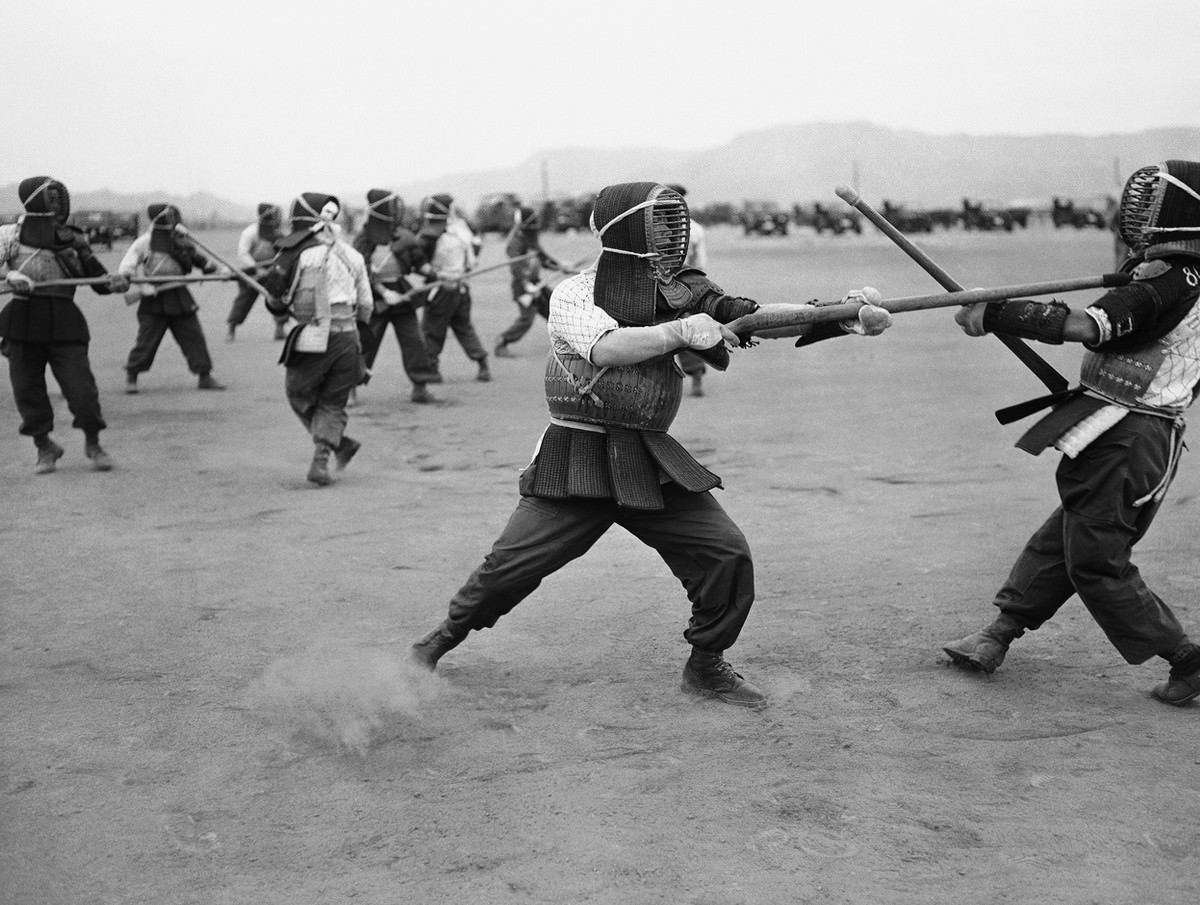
204 696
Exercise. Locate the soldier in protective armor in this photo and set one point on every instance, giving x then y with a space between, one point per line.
43 327
393 254
163 252
1120 432
529 289
321 281
613 389
255 251
450 246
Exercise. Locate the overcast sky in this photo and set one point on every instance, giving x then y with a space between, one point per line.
261 100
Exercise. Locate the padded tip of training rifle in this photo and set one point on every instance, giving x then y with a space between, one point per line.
1117 279
846 193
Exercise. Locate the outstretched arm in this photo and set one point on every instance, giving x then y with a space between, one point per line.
630 345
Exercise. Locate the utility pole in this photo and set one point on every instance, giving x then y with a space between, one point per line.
545 180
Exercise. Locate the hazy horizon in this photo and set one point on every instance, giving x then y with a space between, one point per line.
250 101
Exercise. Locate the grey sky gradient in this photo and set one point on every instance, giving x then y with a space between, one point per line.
260 100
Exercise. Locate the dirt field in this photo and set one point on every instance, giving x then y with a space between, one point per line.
205 699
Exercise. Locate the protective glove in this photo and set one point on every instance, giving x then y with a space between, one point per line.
391 297
970 318
118 282
701 331
872 320
18 282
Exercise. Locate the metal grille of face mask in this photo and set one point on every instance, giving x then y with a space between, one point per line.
1139 202
668 227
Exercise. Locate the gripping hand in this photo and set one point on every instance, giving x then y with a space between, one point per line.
18 282
701 331
872 320
118 282
970 318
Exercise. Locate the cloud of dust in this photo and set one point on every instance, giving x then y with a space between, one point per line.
342 694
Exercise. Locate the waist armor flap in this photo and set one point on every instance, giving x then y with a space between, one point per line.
644 396
42 265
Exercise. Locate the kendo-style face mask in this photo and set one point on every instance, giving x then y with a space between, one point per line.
314 212
47 205
385 210
43 196
667 225
1160 206
644 228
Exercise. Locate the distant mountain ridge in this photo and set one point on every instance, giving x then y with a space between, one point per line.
788 164
804 163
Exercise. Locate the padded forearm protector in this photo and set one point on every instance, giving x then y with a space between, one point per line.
1028 320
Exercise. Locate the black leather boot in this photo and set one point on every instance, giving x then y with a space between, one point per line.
430 649
985 649
1183 683
708 675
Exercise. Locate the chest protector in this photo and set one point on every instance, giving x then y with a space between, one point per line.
161 264
43 264
645 396
384 266
309 295
1159 376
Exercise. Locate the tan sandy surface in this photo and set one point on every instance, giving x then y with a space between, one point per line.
204 694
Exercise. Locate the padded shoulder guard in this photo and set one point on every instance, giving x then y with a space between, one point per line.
1160 294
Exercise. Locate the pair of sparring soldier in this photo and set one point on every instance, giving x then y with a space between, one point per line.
1120 432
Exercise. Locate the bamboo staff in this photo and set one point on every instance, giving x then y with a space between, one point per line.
93 281
806 315
1044 371
237 273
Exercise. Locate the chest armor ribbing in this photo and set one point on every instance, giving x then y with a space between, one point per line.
1161 375
161 264
41 265
644 396
384 266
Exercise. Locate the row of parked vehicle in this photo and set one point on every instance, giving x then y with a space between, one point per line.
769 219
765 218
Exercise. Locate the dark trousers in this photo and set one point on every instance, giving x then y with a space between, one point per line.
187 332
695 537
1085 547
27 363
318 385
526 315
450 310
403 319
243 302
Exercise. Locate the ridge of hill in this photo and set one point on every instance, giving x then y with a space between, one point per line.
796 163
